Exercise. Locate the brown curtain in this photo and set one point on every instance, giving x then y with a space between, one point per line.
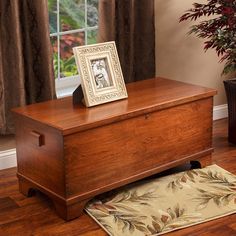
26 71
130 23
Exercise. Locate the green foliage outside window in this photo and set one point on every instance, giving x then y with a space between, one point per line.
71 17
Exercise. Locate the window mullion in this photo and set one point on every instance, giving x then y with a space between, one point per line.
58 40
74 31
86 23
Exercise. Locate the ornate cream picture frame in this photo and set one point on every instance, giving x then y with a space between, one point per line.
100 73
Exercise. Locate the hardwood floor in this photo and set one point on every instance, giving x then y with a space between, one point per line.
36 216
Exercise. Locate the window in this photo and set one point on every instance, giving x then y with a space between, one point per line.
72 23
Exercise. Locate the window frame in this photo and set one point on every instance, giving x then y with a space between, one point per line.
66 85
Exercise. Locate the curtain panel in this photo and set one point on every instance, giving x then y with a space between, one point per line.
26 67
130 23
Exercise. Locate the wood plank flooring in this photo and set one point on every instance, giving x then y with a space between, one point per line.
36 216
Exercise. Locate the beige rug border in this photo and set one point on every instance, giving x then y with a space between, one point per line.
181 227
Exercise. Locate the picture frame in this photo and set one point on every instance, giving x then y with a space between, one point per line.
100 73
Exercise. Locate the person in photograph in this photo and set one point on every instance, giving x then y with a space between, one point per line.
100 74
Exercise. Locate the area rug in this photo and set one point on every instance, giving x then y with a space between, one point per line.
161 205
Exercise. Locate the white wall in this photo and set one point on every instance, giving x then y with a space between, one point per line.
180 56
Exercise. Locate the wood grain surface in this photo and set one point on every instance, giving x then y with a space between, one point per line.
152 95
110 156
74 153
36 216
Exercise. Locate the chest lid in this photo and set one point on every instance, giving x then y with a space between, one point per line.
143 97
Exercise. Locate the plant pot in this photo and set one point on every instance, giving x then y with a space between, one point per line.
230 89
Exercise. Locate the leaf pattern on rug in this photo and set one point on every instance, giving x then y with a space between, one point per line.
128 222
221 197
224 189
125 221
181 179
215 177
171 219
100 215
133 196
117 206
157 206
120 201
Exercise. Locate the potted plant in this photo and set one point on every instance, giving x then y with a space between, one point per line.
218 28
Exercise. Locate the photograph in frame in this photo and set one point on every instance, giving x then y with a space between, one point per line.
100 73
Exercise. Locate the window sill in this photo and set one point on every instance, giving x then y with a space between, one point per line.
66 86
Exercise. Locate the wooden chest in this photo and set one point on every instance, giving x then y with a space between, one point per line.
74 153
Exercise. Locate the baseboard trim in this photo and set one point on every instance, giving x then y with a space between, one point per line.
8 159
220 112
